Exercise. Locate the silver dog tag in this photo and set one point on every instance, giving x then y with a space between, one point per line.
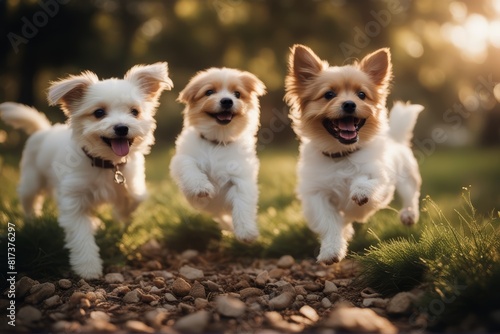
119 178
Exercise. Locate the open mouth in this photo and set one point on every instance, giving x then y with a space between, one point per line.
223 117
120 146
345 129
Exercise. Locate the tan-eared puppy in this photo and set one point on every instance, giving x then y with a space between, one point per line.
352 156
215 164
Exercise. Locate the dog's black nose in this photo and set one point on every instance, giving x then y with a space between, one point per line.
121 130
349 107
226 103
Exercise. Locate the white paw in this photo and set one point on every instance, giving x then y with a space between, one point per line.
247 233
205 190
408 216
332 252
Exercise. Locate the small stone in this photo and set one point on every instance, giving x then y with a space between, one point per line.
137 326
97 325
276 273
170 297
132 297
180 287
251 292
193 323
308 312
65 283
400 304
375 302
148 298
212 286
197 290
312 297
276 321
300 290
40 292
262 279
24 285
230 307
189 254
91 296
191 273
85 303
76 297
185 308
358 320
156 317
114 278
285 262
153 265
159 282
241 285
64 326
100 315
330 287
121 290
326 303
200 303
369 293
52 301
313 287
282 301
29 314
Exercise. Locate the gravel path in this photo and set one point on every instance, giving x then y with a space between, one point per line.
197 293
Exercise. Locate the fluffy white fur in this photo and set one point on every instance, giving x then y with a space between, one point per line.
338 191
53 159
215 164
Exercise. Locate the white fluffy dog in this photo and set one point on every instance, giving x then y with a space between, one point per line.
97 157
215 164
352 157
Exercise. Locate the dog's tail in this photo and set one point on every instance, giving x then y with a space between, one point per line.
23 117
402 120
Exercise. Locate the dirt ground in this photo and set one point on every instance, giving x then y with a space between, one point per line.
198 293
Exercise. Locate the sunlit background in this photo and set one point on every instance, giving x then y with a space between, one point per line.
446 55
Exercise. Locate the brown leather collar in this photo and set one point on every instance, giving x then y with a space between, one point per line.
101 163
215 142
337 155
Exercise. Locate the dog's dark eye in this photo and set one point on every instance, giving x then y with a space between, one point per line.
329 95
209 92
99 113
362 95
237 94
134 112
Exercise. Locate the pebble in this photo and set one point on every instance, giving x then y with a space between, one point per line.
190 254
276 273
251 292
95 325
40 292
155 317
52 301
401 303
29 314
276 320
65 283
114 278
132 297
191 273
170 297
285 262
212 286
200 303
300 290
375 302
76 297
262 279
309 313
100 315
330 287
64 326
24 285
138 327
358 320
313 287
369 293
241 285
282 301
326 303
313 297
197 290
230 307
193 323
180 287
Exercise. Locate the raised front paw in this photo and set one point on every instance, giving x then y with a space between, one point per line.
360 199
408 216
331 253
246 233
205 190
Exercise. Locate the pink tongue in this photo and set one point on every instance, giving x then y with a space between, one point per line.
348 134
347 124
120 146
224 116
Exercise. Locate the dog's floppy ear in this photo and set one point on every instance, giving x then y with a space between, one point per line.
253 84
152 79
378 66
69 91
303 63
